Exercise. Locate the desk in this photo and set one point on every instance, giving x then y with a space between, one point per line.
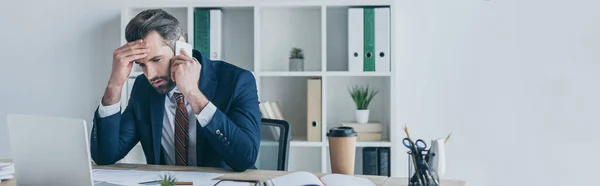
262 175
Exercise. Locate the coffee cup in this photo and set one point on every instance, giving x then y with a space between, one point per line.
342 149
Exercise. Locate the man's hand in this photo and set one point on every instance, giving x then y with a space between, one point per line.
123 58
185 71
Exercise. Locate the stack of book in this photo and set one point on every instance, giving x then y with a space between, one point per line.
366 132
6 171
272 110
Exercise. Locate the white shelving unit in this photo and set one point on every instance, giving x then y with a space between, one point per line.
258 35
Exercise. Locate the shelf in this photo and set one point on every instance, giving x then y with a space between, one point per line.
291 74
319 73
294 143
283 28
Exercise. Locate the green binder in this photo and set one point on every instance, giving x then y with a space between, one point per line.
202 30
369 39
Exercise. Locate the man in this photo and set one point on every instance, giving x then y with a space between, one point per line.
185 110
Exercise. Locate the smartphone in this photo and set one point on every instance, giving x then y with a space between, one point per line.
183 45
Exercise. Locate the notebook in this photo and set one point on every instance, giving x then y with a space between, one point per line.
306 178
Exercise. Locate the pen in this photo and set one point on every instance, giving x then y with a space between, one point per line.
176 183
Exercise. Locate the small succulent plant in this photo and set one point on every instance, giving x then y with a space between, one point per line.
296 53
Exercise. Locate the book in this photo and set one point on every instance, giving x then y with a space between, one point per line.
369 39
368 136
384 161
355 39
307 178
382 39
208 32
367 127
313 109
370 164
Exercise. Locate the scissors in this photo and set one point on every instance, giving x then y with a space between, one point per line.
416 147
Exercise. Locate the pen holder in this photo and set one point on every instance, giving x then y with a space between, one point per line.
419 172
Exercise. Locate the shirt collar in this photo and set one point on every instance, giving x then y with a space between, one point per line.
170 95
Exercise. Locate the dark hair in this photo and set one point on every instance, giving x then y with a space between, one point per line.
154 20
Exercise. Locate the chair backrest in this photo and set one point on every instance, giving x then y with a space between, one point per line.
275 142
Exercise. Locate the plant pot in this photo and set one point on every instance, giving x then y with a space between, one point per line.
296 64
362 116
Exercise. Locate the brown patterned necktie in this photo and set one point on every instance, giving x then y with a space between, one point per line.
181 131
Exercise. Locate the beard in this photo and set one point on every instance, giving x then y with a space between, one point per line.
164 88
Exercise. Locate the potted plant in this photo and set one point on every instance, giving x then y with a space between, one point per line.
296 59
362 97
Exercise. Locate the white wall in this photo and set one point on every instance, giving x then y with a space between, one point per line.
55 57
514 80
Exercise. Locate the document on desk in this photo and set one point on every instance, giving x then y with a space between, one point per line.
135 177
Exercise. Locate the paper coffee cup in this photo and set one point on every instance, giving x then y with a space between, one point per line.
342 149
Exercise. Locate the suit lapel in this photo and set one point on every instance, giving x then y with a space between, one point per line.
208 86
157 113
207 82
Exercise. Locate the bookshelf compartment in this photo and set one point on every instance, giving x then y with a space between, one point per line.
341 29
337 38
305 159
342 109
282 28
291 95
238 36
359 158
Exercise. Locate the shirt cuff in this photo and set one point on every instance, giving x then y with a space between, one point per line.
105 111
206 114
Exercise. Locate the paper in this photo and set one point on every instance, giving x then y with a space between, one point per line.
234 183
296 178
339 179
135 177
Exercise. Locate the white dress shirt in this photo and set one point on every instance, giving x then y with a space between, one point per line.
168 134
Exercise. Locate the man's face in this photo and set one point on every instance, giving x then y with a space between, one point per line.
157 64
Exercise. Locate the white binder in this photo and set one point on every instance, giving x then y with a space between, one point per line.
216 29
355 39
382 39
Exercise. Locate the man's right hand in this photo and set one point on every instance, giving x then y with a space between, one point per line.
123 59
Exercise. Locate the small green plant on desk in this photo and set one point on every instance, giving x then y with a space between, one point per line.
168 180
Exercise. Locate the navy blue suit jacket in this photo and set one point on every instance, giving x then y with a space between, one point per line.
230 140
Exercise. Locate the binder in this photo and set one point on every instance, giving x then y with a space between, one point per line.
369 39
355 39
382 39
370 164
216 28
313 110
208 32
384 161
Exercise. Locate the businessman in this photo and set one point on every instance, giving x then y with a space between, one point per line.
185 110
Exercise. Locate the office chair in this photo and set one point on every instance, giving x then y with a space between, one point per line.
274 133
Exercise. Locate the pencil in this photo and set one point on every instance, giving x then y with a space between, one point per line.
184 183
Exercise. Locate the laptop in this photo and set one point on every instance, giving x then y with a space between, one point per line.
50 150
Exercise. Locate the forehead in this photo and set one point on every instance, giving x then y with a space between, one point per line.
156 46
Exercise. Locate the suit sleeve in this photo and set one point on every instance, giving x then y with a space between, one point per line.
236 134
113 136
